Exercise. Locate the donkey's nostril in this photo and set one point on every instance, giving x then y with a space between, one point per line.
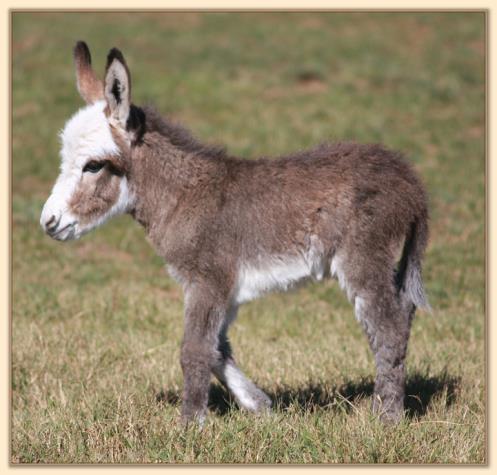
51 224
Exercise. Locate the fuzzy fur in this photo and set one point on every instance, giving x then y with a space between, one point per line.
232 229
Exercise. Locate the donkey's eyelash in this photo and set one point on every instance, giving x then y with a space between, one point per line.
93 166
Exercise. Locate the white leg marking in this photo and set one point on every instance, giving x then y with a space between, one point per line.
360 305
338 272
240 386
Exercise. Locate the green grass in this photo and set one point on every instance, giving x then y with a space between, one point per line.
96 324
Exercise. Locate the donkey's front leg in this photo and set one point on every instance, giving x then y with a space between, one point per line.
199 351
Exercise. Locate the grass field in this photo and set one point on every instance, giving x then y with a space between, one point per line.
97 323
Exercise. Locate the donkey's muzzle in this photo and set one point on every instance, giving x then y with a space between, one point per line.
57 229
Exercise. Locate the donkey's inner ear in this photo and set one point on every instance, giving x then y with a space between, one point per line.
117 87
90 88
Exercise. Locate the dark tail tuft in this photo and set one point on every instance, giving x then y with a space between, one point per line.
409 279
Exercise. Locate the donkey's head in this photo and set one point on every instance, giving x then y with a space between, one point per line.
93 182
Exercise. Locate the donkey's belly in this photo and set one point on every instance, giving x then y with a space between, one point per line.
273 274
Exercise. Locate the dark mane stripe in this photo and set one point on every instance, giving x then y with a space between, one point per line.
178 135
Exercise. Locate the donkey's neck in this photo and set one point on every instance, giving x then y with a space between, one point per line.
170 171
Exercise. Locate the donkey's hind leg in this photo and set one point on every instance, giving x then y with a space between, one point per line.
386 321
387 329
247 394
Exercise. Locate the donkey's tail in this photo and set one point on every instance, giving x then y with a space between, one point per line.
409 280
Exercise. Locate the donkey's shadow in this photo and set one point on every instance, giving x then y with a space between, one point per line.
420 390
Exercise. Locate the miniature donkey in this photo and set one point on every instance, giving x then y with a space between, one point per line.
232 229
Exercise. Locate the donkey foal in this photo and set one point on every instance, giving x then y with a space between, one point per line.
231 229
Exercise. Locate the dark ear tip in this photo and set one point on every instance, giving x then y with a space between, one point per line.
81 51
114 53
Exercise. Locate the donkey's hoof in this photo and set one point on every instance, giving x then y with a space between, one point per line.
389 412
193 419
391 418
263 403
257 402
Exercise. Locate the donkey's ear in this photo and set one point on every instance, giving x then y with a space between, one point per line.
90 88
117 88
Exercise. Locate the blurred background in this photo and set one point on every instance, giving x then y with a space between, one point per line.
96 324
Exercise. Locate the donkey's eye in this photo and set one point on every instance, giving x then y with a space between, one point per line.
93 166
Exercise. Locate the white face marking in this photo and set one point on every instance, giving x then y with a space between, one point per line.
86 135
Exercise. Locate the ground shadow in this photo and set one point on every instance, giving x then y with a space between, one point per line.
314 396
420 390
220 401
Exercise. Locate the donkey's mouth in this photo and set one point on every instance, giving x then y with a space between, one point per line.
64 234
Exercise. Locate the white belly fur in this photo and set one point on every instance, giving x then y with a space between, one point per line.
275 273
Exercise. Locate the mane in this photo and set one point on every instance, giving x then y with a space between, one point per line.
181 137
178 135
